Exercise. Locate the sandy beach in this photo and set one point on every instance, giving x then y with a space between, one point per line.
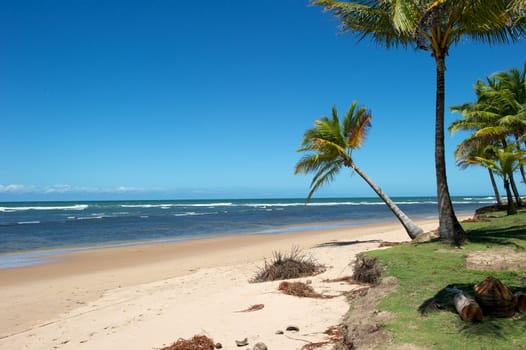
148 296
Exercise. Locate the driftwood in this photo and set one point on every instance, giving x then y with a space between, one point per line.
495 298
468 309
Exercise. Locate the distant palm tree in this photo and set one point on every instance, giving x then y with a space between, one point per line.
507 161
498 117
466 155
433 25
512 96
330 145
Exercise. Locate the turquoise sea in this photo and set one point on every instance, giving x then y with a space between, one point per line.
30 231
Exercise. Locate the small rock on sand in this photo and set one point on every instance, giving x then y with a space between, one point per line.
260 346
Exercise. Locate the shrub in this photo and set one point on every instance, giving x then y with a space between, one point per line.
286 266
366 270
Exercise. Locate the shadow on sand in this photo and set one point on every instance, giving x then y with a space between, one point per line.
345 243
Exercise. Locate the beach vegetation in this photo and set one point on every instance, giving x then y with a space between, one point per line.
468 153
299 289
197 342
293 264
421 307
328 148
434 26
504 163
497 126
367 269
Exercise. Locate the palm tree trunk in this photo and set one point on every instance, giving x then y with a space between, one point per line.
515 191
512 209
449 227
500 202
521 166
410 227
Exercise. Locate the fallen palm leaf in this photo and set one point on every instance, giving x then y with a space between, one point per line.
198 342
347 279
300 289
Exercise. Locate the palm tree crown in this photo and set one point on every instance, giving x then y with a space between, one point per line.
433 25
331 144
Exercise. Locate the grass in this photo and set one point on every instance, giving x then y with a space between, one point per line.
422 309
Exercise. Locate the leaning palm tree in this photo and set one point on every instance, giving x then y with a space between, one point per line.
329 146
433 25
507 161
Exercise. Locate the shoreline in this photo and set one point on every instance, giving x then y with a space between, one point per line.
64 226
44 255
41 300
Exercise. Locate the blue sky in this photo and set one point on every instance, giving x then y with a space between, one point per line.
210 99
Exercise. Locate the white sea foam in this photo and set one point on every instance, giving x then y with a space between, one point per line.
173 205
225 204
193 213
66 207
312 204
147 206
28 222
89 217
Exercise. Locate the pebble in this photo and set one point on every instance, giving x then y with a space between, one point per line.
260 346
243 342
219 346
279 332
293 329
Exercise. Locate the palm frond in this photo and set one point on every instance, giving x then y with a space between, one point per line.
359 123
370 19
488 21
324 176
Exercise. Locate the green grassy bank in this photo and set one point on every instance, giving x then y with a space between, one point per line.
423 313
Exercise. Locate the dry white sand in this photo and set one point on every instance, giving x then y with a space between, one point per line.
146 297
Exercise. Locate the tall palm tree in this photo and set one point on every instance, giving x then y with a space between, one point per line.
433 25
467 154
506 162
329 146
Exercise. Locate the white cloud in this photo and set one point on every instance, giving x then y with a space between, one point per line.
54 189
129 189
57 189
16 188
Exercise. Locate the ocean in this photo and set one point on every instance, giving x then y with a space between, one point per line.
31 231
